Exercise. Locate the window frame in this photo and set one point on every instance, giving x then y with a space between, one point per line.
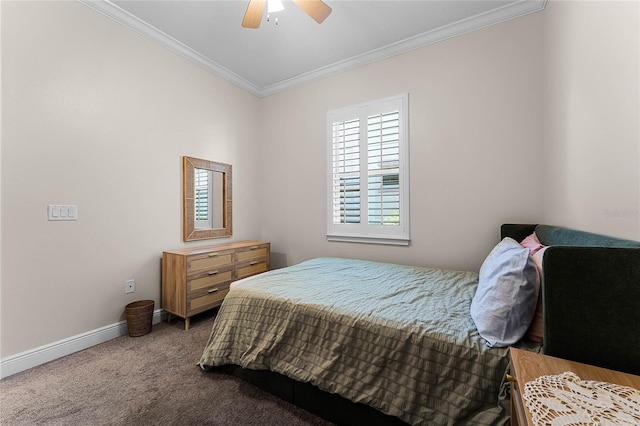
364 232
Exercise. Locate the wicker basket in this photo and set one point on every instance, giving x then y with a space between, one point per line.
139 317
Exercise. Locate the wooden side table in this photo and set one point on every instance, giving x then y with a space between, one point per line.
527 366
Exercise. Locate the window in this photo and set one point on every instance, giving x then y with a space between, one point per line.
202 207
368 172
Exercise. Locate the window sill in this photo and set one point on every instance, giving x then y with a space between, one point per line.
395 241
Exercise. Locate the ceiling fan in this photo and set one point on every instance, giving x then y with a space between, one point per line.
317 9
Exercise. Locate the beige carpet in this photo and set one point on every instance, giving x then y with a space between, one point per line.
147 380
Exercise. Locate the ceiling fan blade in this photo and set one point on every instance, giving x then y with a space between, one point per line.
253 15
317 9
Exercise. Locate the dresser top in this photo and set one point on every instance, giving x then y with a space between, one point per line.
528 366
216 247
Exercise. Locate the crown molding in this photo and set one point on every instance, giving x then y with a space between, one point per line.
504 13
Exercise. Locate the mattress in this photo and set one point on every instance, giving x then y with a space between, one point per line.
397 338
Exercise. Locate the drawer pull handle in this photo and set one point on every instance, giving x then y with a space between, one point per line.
510 378
253 248
213 272
213 254
213 290
255 262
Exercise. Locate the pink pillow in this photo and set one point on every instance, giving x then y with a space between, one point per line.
532 243
537 257
535 333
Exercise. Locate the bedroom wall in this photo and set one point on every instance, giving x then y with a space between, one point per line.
98 116
475 137
592 116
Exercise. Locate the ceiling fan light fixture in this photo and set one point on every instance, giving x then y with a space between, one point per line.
316 9
274 6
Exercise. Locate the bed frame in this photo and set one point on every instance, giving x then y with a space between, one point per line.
580 267
329 406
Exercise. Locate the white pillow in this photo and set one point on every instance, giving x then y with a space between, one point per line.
507 292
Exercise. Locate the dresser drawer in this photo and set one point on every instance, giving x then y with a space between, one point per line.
254 252
211 260
209 299
209 279
252 268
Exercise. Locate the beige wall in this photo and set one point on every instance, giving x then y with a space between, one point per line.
98 116
475 133
534 119
592 116
1 121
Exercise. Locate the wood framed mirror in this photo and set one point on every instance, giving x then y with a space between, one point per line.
206 199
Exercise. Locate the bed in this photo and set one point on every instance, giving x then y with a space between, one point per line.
362 342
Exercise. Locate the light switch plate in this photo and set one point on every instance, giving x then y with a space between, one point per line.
62 212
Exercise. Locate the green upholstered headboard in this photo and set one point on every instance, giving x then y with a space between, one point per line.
590 295
559 236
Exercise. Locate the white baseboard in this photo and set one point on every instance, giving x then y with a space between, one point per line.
34 357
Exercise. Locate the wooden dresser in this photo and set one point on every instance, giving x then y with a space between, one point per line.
197 279
527 366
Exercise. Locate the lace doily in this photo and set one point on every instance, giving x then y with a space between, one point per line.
565 399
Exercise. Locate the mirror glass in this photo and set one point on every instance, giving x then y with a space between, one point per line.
206 199
209 202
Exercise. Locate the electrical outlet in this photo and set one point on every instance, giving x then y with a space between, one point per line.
130 286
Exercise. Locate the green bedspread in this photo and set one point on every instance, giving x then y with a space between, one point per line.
397 338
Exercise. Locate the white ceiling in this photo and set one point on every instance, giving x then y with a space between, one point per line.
273 57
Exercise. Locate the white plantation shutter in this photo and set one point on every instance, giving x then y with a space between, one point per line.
368 172
202 208
346 171
383 152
